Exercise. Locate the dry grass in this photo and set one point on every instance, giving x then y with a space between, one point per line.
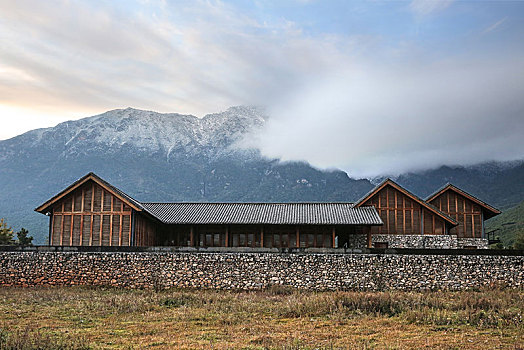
279 318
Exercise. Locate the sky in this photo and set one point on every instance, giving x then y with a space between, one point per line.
370 87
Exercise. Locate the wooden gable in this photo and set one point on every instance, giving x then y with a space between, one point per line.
405 213
90 215
468 211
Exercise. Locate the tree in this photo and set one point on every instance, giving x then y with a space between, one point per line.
6 234
23 238
519 241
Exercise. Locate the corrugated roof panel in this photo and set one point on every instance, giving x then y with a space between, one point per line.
263 213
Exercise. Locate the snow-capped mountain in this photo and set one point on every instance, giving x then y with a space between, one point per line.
144 131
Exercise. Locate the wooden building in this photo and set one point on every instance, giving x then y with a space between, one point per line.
403 213
469 211
92 212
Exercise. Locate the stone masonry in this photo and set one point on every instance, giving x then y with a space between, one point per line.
246 271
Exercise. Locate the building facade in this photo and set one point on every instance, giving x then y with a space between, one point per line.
92 212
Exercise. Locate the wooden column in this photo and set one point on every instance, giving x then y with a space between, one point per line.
262 236
192 236
52 229
120 231
91 231
333 237
368 232
227 236
71 231
101 225
298 237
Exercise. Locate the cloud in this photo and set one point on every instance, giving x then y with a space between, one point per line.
371 118
494 25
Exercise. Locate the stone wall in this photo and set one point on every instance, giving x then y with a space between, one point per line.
260 270
480 243
429 241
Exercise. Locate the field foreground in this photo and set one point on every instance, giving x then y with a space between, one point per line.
278 318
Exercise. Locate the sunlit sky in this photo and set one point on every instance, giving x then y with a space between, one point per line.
359 85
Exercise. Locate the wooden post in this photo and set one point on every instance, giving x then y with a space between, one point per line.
52 229
333 237
92 198
81 228
227 235
71 231
421 220
101 224
368 229
297 238
120 231
91 231
191 236
261 236
111 229
403 215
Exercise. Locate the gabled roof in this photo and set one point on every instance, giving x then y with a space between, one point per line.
93 177
490 211
264 213
236 213
415 198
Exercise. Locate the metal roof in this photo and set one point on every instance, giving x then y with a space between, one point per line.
263 213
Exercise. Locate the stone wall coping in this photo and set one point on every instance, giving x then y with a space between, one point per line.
165 249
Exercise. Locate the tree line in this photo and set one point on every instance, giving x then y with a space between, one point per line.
9 237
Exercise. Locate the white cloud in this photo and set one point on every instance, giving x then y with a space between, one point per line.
495 25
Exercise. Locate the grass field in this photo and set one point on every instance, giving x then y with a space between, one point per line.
278 318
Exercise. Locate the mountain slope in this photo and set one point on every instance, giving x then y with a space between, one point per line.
508 224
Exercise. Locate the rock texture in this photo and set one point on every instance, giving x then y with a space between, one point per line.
247 271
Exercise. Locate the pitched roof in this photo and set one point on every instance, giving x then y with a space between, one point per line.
91 176
417 199
263 213
491 211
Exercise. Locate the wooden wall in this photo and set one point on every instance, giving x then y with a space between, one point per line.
402 215
466 212
145 232
90 216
